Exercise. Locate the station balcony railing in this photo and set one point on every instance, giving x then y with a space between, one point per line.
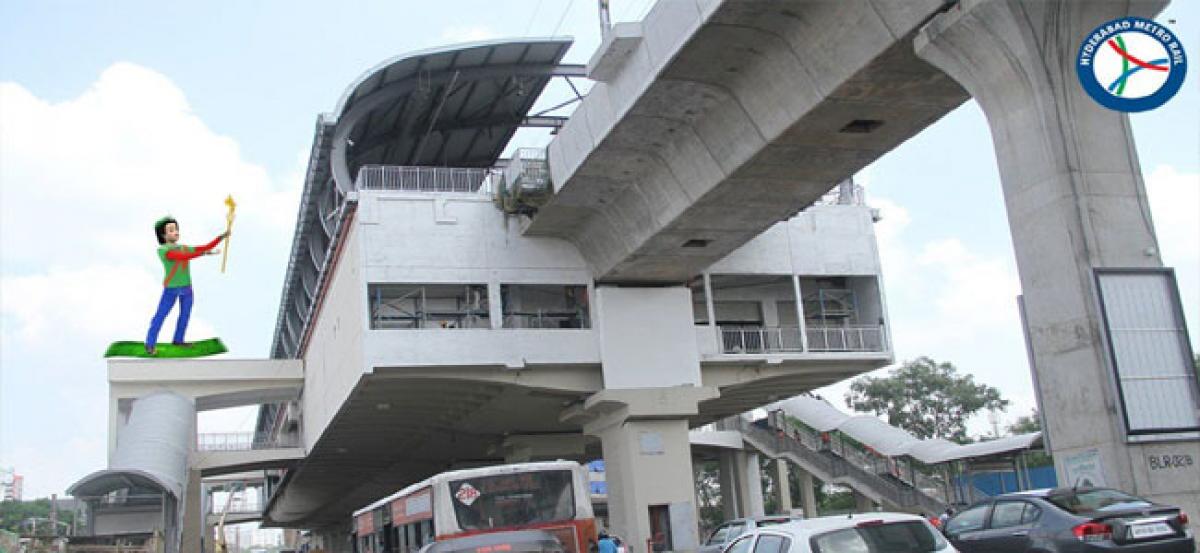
244 441
425 179
786 339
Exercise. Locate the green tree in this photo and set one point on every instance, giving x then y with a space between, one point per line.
1027 424
13 513
708 493
926 398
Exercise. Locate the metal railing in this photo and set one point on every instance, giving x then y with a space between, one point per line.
763 339
835 466
846 338
244 441
846 193
422 179
243 502
546 320
786 339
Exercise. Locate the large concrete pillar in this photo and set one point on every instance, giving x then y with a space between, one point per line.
783 488
729 495
651 368
808 494
1076 202
191 540
749 484
647 461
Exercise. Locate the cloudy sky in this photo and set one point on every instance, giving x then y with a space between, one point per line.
115 113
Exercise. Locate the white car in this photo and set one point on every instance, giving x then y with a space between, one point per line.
865 533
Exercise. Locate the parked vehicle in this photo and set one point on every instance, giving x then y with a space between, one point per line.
730 530
863 533
550 496
1070 520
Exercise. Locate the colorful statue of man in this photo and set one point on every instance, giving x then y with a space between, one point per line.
177 285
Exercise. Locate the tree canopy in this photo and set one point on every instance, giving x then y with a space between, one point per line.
1026 424
14 513
926 398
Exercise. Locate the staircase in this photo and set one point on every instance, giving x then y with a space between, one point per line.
832 468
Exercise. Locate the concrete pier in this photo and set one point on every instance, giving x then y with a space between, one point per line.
1076 203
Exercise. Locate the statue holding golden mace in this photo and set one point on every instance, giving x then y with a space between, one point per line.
228 229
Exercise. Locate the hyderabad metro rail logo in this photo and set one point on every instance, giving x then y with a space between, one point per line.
1131 64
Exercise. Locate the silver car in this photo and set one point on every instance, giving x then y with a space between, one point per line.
865 533
728 531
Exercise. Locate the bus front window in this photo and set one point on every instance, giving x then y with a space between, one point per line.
517 499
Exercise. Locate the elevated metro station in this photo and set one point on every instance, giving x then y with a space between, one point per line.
687 248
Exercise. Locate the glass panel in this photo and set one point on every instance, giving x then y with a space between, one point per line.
898 537
1007 513
742 545
513 499
969 520
408 306
1100 499
769 543
545 306
1032 513
718 536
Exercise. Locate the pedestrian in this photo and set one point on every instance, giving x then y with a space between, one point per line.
177 285
606 544
945 516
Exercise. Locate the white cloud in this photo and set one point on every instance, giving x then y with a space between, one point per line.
955 304
467 33
1175 206
88 177
81 183
42 309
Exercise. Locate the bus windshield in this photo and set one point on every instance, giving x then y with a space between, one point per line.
518 499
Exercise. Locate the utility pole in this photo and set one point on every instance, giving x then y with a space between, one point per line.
54 514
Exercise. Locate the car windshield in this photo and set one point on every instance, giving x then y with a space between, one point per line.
896 537
1090 501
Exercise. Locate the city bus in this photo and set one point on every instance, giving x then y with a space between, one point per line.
549 496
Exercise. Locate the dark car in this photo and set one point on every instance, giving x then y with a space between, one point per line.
1067 520
727 531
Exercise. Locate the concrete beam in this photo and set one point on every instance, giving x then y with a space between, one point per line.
215 463
209 383
212 383
522 448
728 117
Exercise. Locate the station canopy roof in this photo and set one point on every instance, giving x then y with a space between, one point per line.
890 441
454 106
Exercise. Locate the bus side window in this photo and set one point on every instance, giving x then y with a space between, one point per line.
413 544
401 543
427 530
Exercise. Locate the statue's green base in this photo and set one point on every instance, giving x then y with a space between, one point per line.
203 348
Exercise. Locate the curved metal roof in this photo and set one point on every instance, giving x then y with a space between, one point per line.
890 441
452 106
104 481
455 106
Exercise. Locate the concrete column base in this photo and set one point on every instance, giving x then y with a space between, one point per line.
648 462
